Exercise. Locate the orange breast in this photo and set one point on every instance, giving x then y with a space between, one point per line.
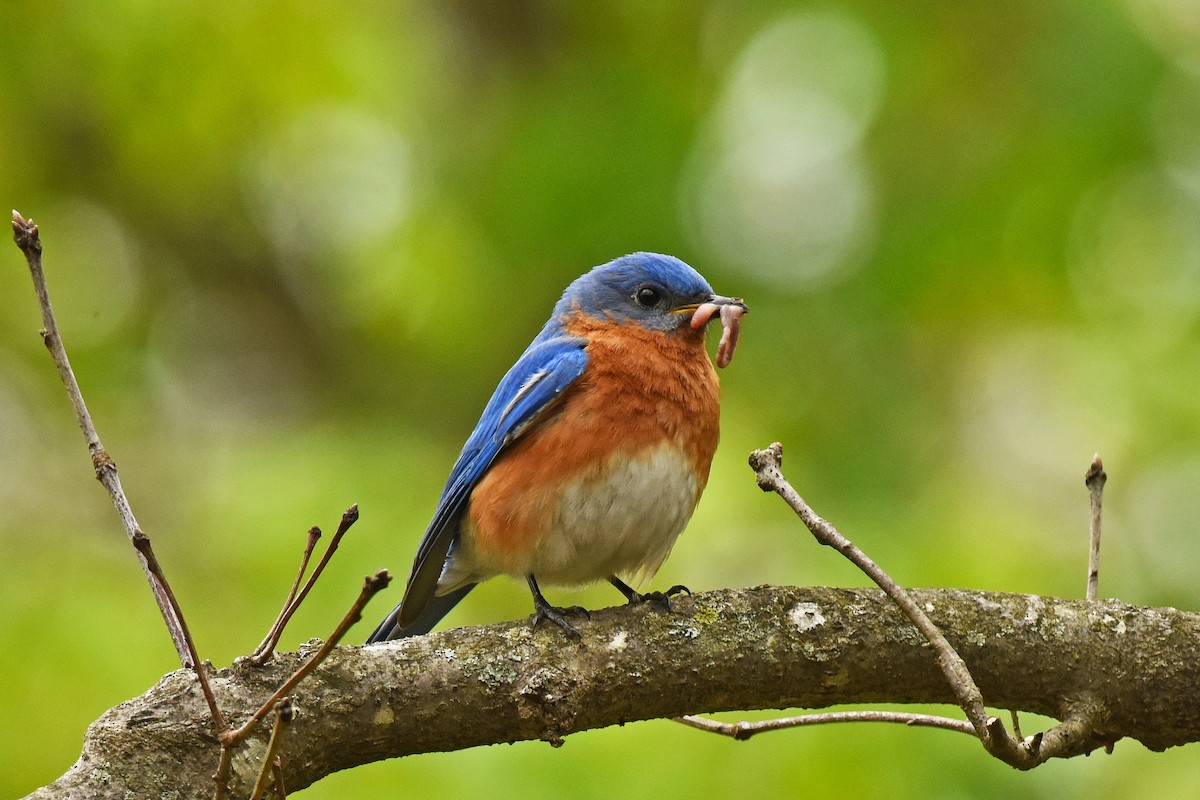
642 390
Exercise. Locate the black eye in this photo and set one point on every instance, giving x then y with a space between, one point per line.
647 296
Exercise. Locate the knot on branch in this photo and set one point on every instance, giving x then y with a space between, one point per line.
102 462
766 464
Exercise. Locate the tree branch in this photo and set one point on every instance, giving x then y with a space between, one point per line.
767 465
28 239
1077 733
769 647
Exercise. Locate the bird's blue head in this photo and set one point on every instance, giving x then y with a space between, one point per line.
655 291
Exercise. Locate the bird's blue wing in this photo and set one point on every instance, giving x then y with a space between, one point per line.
529 390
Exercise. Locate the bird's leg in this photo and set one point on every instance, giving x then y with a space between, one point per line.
544 611
631 596
658 598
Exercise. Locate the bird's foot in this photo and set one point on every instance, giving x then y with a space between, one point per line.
547 613
543 611
660 599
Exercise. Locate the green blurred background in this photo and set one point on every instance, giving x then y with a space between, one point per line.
294 245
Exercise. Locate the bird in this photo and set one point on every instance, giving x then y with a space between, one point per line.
592 453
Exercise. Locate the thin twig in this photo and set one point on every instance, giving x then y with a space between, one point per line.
1094 479
142 543
744 730
1070 737
766 464
223 773
230 738
349 517
277 772
1016 723
373 584
27 237
266 775
267 646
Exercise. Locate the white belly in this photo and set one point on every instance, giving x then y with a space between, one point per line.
623 522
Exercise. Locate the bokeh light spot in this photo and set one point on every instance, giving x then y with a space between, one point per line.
777 183
1134 254
92 268
335 177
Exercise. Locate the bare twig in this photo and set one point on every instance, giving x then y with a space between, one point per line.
373 584
744 730
267 776
1016 723
230 737
142 543
267 646
277 772
224 771
27 237
263 652
766 464
1094 479
1070 737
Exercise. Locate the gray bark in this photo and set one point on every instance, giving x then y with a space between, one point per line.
767 647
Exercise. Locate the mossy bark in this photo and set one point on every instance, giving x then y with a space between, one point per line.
737 649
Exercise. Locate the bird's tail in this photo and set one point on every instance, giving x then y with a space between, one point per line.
438 607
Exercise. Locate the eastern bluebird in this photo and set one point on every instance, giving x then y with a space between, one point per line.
592 453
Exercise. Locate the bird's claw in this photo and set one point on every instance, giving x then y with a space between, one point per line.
660 599
558 616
